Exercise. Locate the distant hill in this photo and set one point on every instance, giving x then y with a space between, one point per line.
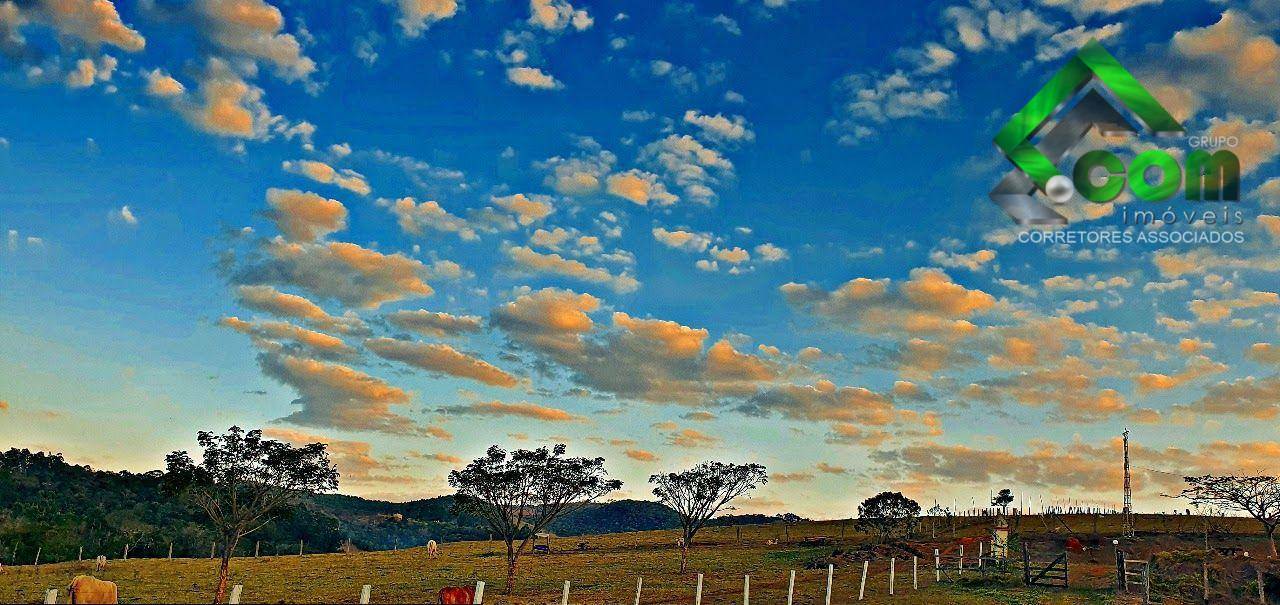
49 504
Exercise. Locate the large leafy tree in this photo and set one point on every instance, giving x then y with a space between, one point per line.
1259 496
243 481
699 493
889 515
520 493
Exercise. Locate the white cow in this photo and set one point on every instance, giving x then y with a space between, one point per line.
433 549
100 564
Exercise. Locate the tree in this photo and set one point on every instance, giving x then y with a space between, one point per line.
1003 500
243 481
521 493
889 515
699 493
1258 496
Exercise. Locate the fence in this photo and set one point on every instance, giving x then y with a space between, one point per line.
903 575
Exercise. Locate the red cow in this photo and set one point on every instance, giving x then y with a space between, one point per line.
1074 544
457 595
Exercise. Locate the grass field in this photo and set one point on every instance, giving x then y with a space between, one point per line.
605 573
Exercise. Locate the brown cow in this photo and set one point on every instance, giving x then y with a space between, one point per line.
457 595
88 589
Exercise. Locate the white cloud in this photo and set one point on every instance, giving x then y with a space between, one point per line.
532 78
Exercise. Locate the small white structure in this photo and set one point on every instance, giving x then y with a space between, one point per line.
1000 539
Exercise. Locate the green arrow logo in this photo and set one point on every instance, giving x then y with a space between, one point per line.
1036 162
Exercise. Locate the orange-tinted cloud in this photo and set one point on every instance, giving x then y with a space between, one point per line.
438 357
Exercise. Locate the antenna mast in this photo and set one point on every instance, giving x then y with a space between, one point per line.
1128 490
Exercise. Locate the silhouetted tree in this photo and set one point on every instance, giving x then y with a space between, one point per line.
889 515
243 481
699 493
1003 500
521 493
1259 496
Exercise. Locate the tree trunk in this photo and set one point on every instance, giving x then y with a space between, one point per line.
512 557
1271 538
684 554
224 569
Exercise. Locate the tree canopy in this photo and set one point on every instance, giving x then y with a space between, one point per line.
697 494
890 515
1257 495
520 493
243 481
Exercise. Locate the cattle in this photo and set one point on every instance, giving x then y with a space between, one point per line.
457 595
88 589
680 542
433 549
100 564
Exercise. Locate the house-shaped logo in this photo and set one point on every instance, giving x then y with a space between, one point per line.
1036 138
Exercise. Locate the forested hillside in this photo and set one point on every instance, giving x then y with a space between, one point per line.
57 507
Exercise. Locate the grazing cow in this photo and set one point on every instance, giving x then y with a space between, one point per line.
88 589
680 542
433 549
457 595
100 564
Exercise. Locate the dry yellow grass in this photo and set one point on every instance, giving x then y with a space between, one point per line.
604 574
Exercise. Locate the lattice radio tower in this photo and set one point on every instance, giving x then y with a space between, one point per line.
1128 490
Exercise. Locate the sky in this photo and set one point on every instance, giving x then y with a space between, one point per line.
660 232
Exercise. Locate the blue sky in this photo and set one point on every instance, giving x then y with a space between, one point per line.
661 232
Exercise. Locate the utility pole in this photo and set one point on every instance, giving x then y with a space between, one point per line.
1128 490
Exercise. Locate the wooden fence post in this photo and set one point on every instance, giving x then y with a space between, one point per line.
171 550
960 565
38 549
831 572
980 545
212 547
479 593
1206 581
1262 590
892 571
564 595
746 589
915 576
791 586
299 548
697 595
1026 566
80 555
366 593
126 551
639 586
862 587
235 594
1120 579
937 566
257 547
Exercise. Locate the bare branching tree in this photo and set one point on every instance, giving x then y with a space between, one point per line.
702 491
521 493
1259 496
244 481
